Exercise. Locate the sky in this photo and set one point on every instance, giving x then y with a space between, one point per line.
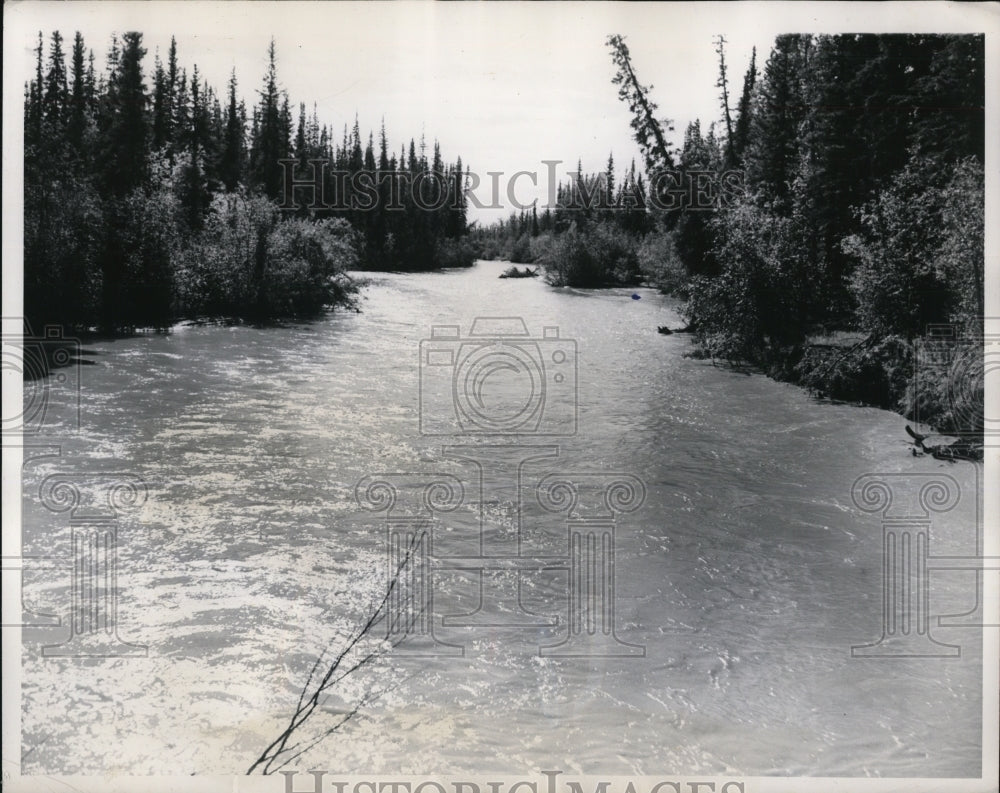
504 85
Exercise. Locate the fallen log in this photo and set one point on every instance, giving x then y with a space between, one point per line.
969 449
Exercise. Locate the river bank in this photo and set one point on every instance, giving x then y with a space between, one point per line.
932 381
937 383
941 399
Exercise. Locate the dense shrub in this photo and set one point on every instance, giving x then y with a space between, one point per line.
660 264
941 385
455 252
919 253
521 253
146 235
540 245
894 284
488 248
599 255
959 259
875 371
306 266
248 262
216 273
947 390
756 308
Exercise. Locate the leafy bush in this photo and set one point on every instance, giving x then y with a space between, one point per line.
920 251
247 262
307 264
757 308
540 245
875 371
960 258
455 252
520 253
661 265
488 248
948 390
945 389
894 283
570 261
217 274
147 235
601 255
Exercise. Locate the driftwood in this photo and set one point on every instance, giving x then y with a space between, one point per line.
666 331
970 449
513 272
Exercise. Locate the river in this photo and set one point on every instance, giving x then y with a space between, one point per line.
744 578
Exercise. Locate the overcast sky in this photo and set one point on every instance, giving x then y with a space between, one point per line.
504 85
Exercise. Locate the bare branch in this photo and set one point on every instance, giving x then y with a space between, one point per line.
315 691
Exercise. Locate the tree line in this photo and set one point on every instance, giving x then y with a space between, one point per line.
147 203
864 212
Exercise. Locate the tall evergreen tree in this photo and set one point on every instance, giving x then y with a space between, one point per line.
55 100
233 148
723 85
772 155
650 133
33 111
125 134
608 199
741 129
270 143
79 105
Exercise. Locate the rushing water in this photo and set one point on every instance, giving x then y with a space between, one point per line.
746 575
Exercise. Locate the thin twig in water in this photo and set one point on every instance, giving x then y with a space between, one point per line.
281 751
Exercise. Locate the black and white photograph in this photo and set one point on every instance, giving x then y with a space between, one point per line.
557 397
